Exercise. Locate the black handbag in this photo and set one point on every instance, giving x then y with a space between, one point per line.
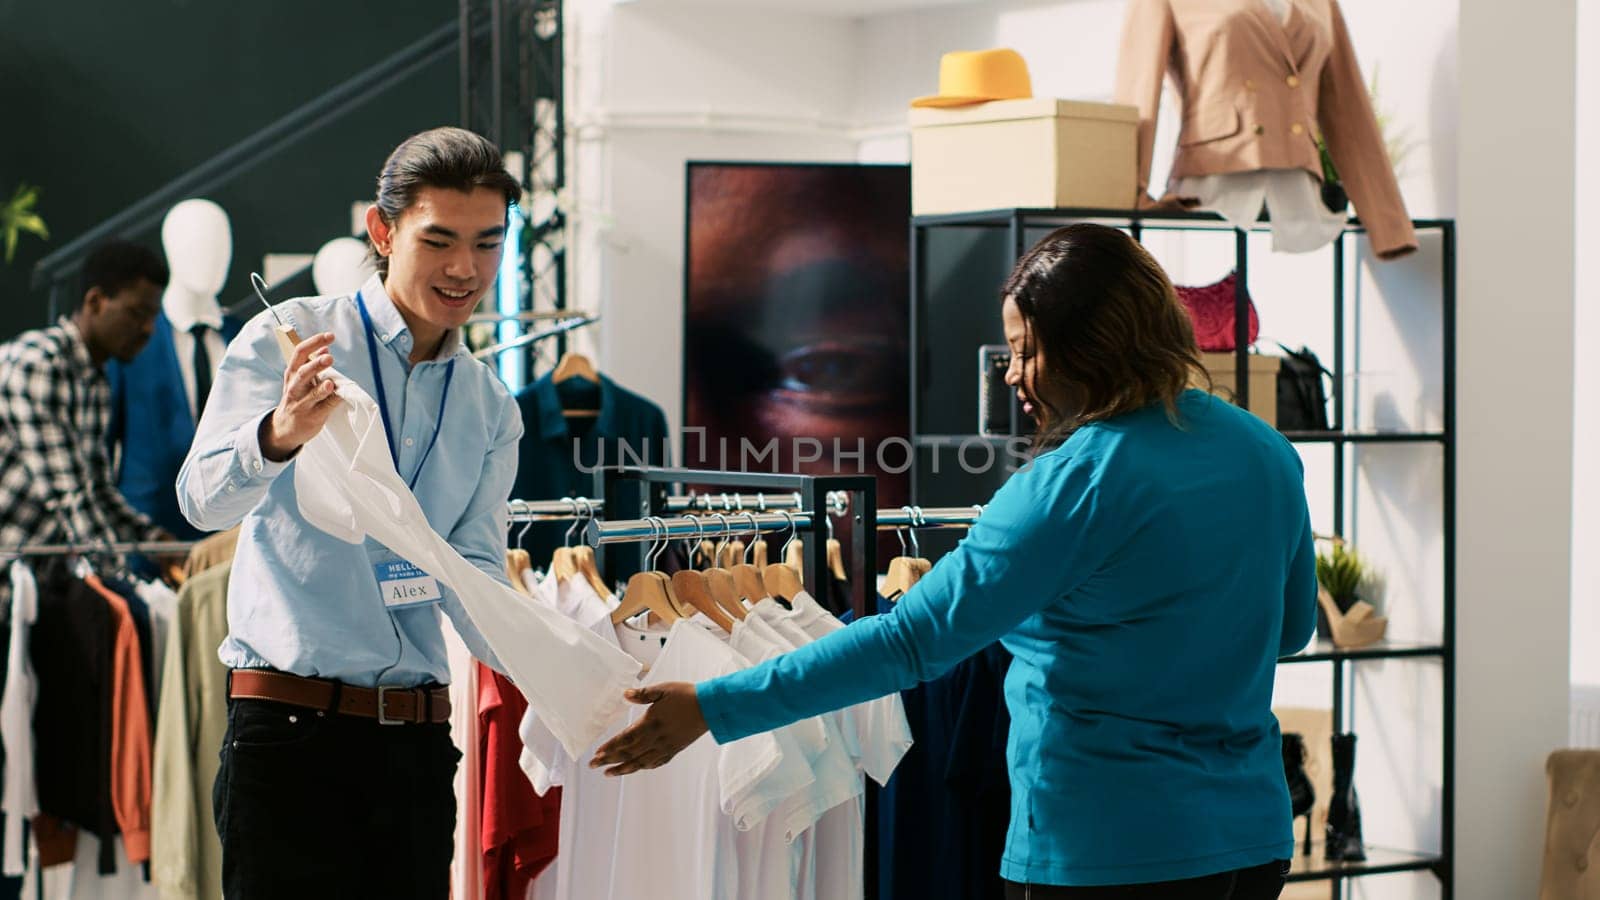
1302 396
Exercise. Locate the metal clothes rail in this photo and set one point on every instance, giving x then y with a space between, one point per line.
115 548
578 508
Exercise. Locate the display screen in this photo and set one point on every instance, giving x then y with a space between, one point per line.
796 331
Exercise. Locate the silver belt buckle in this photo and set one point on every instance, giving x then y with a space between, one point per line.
383 697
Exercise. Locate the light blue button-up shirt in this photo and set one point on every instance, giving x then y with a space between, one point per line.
300 600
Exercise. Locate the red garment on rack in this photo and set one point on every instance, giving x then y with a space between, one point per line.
131 740
520 829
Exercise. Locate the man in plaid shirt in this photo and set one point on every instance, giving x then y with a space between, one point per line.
56 483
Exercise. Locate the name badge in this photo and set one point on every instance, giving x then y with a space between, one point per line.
403 584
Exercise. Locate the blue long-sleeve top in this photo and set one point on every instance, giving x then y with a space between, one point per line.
1146 575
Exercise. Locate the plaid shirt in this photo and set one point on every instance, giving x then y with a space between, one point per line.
56 483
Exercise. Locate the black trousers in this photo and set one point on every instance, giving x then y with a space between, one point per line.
1256 883
312 805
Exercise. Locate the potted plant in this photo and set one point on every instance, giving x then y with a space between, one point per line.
1397 144
1342 615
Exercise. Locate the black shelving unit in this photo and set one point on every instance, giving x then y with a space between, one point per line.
966 256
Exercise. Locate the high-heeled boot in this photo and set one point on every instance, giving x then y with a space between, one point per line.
1344 812
1302 797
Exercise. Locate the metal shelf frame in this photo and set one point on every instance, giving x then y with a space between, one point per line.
819 495
1017 223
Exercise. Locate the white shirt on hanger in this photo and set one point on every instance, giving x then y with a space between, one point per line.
19 799
346 485
836 867
163 605
667 833
183 317
878 730
466 872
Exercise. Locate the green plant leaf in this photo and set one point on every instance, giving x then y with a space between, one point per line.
17 216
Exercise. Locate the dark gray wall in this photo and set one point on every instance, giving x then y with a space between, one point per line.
103 102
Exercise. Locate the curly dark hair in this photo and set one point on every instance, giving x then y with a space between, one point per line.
1112 333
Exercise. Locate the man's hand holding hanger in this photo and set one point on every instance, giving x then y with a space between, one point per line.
307 402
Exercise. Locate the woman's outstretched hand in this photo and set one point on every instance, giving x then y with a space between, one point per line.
672 722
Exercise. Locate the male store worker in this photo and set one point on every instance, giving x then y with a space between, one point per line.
337 767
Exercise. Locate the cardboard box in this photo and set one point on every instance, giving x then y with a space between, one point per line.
1039 153
1263 382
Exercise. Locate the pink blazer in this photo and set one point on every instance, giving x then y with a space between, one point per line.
1256 91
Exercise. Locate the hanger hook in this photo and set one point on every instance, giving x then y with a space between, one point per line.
755 532
690 542
567 541
727 535
794 531
590 513
526 524
260 286
911 520
761 501
658 539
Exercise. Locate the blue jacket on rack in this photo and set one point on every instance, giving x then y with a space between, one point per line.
153 427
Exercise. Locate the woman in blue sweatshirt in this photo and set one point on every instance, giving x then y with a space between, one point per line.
1146 570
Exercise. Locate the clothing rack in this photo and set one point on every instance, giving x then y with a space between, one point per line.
815 492
627 531
569 509
937 517
115 548
535 337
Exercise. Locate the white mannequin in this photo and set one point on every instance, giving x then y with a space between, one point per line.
341 267
199 245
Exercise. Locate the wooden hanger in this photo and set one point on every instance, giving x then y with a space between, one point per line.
902 576
747 579
725 591
795 554
836 560
904 571
732 554
562 565
583 556
758 553
782 580
694 589
574 365
517 562
646 590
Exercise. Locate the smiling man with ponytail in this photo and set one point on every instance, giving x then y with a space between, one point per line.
337 765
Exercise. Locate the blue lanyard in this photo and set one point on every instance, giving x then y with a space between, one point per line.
383 399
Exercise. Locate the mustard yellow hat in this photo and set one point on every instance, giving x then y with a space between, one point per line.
978 76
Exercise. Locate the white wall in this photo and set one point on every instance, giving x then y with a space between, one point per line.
655 87
1516 183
